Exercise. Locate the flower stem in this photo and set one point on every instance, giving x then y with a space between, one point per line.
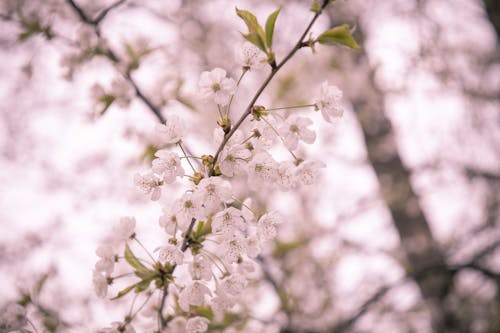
292 107
278 134
186 156
144 248
237 85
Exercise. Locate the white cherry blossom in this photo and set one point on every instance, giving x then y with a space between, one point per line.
216 86
233 285
233 248
247 267
329 103
264 136
149 183
200 268
213 191
233 160
220 304
125 229
266 226
193 294
228 221
100 282
253 246
295 129
286 176
169 222
197 325
249 56
262 170
308 171
186 208
168 164
106 263
171 254
176 325
170 132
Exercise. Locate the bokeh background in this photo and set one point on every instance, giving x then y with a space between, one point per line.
401 234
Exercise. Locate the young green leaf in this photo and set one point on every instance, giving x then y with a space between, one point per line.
270 23
255 40
124 292
255 34
143 285
134 261
338 35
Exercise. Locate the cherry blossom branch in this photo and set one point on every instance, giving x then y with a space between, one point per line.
274 284
115 59
300 44
81 14
377 296
144 99
479 268
87 19
112 56
105 11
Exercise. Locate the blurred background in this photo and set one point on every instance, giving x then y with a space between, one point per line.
401 234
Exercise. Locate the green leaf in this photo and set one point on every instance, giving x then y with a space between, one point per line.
130 51
255 40
338 35
204 311
149 153
134 261
124 291
146 275
255 34
282 248
143 285
271 21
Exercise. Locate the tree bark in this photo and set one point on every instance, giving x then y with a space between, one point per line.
492 8
425 261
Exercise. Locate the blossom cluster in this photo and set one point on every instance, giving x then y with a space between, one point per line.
212 237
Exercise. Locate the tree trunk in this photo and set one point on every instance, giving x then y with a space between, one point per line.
425 260
492 8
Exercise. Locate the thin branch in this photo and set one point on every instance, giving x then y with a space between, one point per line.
274 70
269 278
477 267
81 14
115 59
144 99
486 251
474 173
377 296
105 11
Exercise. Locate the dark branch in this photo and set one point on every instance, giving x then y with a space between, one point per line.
477 267
105 11
377 296
143 98
473 173
81 14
